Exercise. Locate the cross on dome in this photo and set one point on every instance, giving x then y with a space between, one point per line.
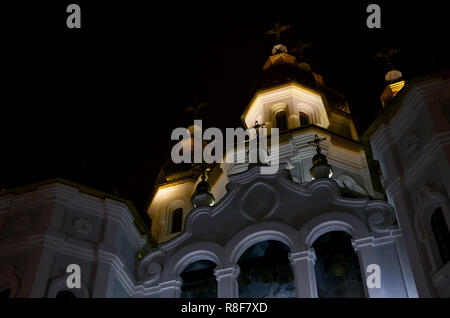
317 141
277 30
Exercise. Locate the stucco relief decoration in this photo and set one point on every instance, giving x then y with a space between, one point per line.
259 202
83 226
152 272
380 220
348 185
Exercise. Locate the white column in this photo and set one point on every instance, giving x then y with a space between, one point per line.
104 275
227 285
366 256
171 289
305 279
405 265
104 272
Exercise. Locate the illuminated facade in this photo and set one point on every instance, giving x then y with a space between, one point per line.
47 226
411 141
253 212
315 228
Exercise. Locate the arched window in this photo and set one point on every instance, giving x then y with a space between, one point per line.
177 220
441 234
5 293
265 271
337 269
65 294
281 120
304 120
199 280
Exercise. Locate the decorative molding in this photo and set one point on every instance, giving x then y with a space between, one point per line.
231 271
83 226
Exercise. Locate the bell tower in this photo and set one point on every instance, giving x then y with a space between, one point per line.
290 96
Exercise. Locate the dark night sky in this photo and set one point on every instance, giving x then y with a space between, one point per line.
107 97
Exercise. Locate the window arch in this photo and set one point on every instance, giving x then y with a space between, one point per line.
304 119
441 234
281 120
177 220
431 224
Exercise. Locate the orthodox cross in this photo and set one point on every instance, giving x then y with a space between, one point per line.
299 48
386 55
201 169
257 126
195 108
277 30
317 141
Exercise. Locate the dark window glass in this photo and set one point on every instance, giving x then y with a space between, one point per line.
303 119
281 120
5 293
337 269
265 271
199 280
65 294
441 234
177 219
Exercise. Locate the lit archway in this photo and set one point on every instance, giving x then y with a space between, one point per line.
304 120
281 120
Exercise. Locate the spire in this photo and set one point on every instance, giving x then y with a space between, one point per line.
320 168
278 47
393 77
280 53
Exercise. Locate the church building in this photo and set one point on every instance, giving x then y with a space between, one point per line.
313 229
324 225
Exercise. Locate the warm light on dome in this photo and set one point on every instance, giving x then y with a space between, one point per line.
396 87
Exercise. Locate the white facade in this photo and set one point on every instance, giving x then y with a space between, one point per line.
288 206
259 207
50 226
413 148
46 227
